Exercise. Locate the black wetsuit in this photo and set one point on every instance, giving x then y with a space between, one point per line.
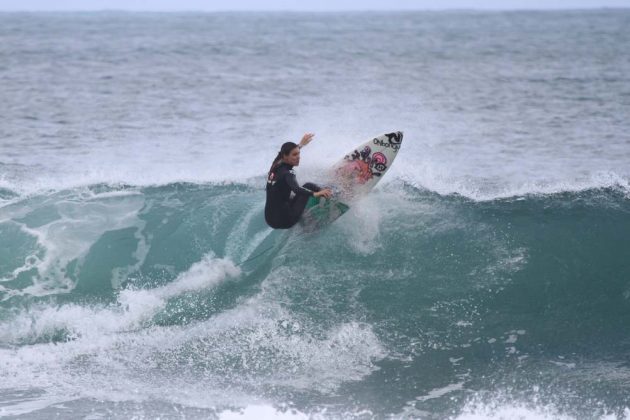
281 210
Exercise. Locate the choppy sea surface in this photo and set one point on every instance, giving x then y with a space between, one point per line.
487 276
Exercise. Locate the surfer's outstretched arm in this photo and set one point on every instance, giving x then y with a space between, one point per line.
306 139
326 193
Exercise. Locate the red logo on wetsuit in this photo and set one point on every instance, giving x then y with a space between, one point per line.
272 178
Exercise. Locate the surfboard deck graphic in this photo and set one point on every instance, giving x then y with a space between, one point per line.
353 177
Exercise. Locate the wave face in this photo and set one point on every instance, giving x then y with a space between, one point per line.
412 303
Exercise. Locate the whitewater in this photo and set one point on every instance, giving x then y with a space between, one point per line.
487 276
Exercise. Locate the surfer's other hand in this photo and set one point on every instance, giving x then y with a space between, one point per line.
326 193
306 139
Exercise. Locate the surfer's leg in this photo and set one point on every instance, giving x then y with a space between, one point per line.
298 203
296 207
279 217
277 224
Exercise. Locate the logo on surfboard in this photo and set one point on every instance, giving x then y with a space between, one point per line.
363 165
392 140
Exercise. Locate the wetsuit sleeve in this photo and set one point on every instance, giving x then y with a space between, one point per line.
295 187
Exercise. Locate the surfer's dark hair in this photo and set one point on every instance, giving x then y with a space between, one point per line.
284 151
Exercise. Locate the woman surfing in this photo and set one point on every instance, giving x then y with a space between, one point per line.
282 210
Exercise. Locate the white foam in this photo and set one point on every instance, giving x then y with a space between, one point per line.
262 412
114 170
424 176
105 347
70 237
511 411
133 308
441 181
21 407
201 275
427 164
501 408
439 392
115 354
362 225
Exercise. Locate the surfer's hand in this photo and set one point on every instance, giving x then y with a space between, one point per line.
326 193
306 139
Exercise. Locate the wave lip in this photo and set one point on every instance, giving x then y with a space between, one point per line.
487 190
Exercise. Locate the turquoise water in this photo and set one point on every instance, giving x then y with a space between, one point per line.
114 290
487 276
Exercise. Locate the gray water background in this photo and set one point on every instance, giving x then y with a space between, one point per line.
497 102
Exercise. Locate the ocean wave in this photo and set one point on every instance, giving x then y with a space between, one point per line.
485 190
102 237
441 183
152 281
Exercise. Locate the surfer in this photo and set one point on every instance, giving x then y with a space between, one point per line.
281 210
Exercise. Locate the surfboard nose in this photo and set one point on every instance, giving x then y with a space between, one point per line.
395 138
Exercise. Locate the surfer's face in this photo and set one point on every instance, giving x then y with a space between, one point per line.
293 158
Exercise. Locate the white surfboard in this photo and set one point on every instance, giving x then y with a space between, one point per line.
352 178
